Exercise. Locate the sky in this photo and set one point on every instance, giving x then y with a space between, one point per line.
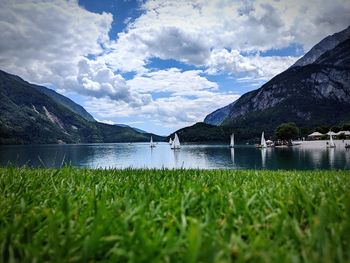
159 65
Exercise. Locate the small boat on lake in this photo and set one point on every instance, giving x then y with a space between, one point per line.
170 141
176 143
232 141
262 142
151 143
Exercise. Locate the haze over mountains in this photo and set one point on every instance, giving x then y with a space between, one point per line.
314 91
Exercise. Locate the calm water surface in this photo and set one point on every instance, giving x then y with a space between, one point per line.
310 155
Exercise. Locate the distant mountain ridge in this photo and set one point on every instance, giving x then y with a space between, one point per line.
314 91
317 55
29 114
322 47
218 116
66 102
136 129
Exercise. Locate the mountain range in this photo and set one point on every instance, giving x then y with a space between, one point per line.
314 91
35 114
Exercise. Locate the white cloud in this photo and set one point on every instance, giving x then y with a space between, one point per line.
174 112
61 43
188 31
95 79
255 66
190 97
173 80
42 41
49 42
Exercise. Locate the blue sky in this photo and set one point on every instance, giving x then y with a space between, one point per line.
160 65
129 10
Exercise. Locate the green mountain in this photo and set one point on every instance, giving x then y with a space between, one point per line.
29 115
68 103
201 132
313 94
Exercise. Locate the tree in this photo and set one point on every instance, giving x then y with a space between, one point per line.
287 131
335 129
342 136
346 127
305 131
323 129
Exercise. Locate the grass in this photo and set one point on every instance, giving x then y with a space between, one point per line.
80 215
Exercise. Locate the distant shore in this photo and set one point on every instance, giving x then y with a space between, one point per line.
323 143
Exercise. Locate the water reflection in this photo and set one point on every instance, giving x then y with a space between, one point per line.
232 156
139 155
331 157
176 153
263 157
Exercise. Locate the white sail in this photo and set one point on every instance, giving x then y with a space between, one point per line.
232 141
176 143
170 141
151 144
331 142
263 142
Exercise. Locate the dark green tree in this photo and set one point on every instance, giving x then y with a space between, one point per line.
305 131
346 127
287 131
335 129
323 129
342 136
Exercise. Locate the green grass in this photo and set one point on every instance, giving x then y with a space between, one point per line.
78 215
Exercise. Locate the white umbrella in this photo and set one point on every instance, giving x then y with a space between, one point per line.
343 132
331 133
315 134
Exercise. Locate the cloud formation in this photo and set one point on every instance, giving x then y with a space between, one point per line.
189 97
190 31
43 41
173 81
221 60
173 112
97 80
60 43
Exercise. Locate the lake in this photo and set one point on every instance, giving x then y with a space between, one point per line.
309 155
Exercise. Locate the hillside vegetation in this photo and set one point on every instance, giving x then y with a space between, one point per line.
33 114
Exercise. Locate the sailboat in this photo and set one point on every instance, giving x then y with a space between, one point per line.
176 143
170 141
151 143
331 142
232 140
263 142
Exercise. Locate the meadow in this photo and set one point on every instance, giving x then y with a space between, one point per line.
82 215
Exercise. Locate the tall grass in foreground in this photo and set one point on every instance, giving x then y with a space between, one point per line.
79 215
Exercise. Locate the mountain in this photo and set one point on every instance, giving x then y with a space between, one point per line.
313 92
218 116
312 57
322 47
201 132
76 108
136 129
28 115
